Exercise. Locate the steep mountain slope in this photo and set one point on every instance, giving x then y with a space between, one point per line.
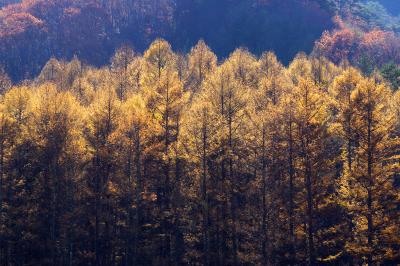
283 26
34 30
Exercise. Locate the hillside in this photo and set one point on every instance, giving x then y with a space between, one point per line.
33 31
118 153
170 159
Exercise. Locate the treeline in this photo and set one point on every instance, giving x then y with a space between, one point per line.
172 159
32 31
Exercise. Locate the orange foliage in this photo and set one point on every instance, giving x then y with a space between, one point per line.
17 23
338 45
377 46
72 11
380 45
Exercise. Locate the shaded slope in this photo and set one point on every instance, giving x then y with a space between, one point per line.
35 30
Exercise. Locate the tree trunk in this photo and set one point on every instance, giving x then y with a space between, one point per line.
264 199
138 194
232 184
370 187
291 197
206 261
310 229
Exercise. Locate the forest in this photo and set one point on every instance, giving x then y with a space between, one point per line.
164 158
33 31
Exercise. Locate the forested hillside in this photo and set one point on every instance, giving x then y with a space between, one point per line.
35 30
172 159
32 31
199 132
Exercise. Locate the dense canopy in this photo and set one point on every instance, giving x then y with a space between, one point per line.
144 132
177 159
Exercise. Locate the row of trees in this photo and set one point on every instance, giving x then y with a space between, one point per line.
32 31
170 159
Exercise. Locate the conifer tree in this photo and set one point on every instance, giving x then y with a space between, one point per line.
57 136
134 145
202 62
119 66
102 124
5 81
311 119
228 101
165 99
175 159
367 190
20 222
200 144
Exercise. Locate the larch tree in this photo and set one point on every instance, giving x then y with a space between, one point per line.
202 62
8 133
182 67
165 99
286 115
341 91
5 81
102 123
200 145
119 66
57 136
367 190
311 122
323 71
175 159
73 71
272 83
342 128
136 71
85 87
228 100
244 68
273 80
135 145
300 68
52 72
16 180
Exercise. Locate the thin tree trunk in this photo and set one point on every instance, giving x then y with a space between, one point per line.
370 186
97 216
310 229
167 189
139 191
264 200
178 236
291 197
206 261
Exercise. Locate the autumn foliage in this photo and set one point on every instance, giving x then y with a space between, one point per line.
367 49
33 31
181 159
